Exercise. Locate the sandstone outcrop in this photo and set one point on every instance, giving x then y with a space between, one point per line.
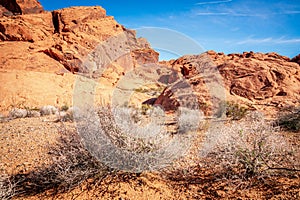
42 52
21 6
258 81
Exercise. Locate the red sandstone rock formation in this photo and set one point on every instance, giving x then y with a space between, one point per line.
260 81
296 59
21 6
39 49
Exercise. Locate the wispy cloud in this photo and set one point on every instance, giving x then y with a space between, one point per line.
213 2
211 13
269 40
255 41
288 41
290 12
250 14
229 14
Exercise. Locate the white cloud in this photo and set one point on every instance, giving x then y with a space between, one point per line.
246 14
211 13
289 12
213 2
288 41
254 41
269 40
229 14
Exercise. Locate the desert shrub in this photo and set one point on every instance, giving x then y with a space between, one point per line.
48 110
290 121
248 148
67 115
18 113
156 90
235 111
122 125
65 107
24 112
7 188
146 108
189 119
72 165
116 139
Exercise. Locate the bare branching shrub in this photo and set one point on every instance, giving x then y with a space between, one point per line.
72 165
18 113
290 120
189 119
7 187
248 148
122 126
113 137
48 110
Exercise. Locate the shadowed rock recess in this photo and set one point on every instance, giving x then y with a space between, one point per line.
42 54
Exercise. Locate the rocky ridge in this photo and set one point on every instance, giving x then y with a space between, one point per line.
44 53
258 81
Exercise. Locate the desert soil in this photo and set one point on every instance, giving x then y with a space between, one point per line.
26 145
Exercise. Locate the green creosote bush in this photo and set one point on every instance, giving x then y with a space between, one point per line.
235 111
157 89
65 107
145 108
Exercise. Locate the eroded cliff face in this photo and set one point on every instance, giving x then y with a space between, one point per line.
43 52
266 82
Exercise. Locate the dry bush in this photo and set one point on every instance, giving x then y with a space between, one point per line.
116 137
7 188
124 128
247 148
190 119
72 165
290 120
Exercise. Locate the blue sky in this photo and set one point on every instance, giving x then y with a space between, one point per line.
229 26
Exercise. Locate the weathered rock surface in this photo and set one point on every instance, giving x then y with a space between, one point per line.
259 81
4 12
296 59
22 6
42 53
